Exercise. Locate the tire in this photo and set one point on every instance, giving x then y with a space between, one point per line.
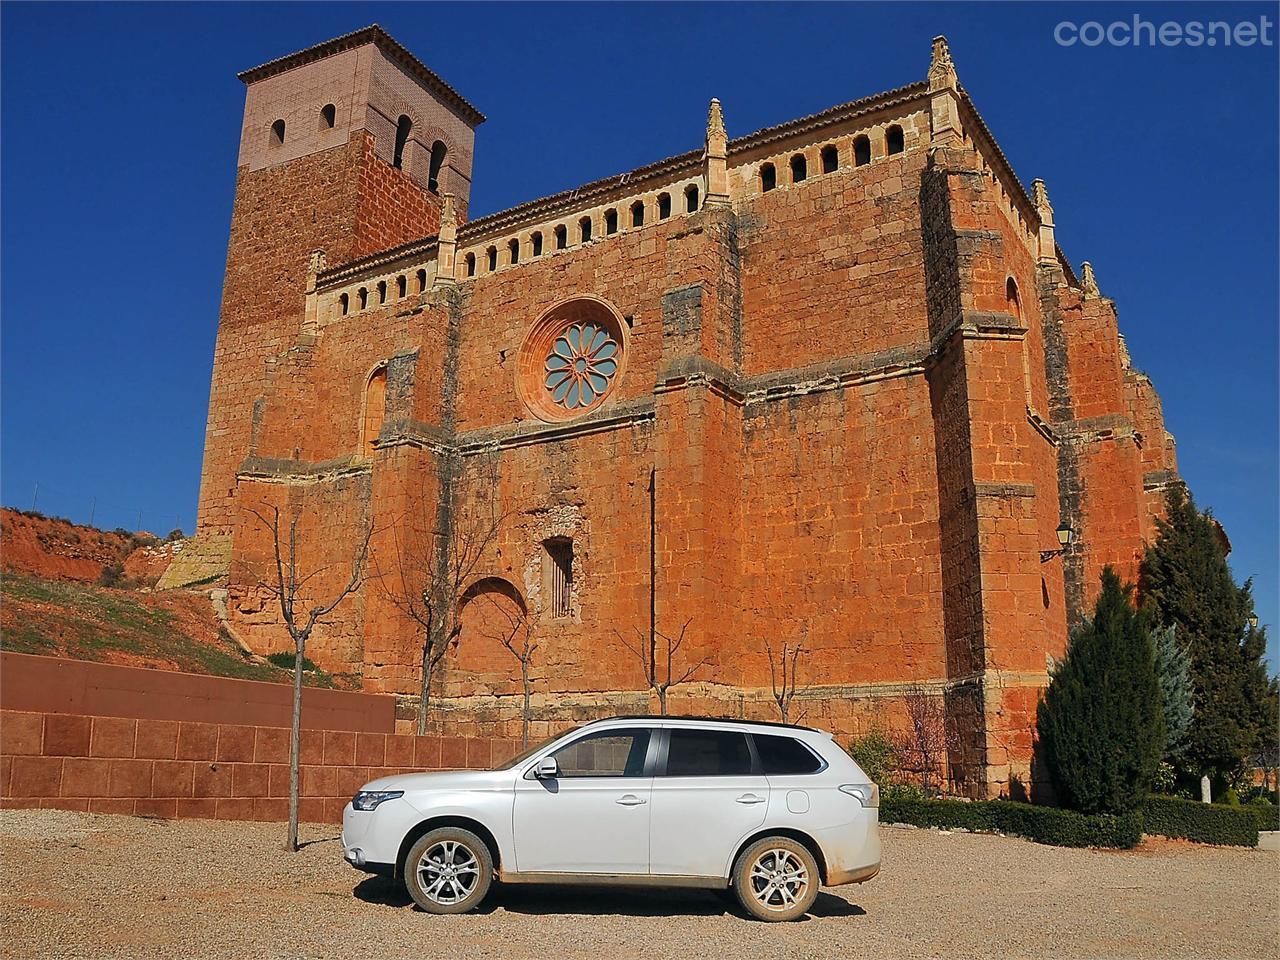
449 870
776 879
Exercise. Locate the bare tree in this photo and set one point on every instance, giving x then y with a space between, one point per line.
924 746
782 674
656 659
517 636
289 589
426 581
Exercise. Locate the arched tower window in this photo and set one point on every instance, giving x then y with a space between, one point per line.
691 198
768 177
637 214
277 133
1012 303
363 295
830 159
382 291
664 206
402 287
375 409
438 152
893 140
799 168
345 300
491 255
610 222
471 264
513 250
404 127
422 281
328 116
535 242
584 229
861 151
562 237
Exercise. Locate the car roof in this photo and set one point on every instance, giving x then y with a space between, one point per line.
695 721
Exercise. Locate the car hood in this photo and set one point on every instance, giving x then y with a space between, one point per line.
443 780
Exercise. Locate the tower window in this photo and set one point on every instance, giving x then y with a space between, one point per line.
584 229
328 116
438 153
345 300
404 126
558 574
562 237
1012 303
893 140
768 177
664 206
375 409
363 296
513 249
637 214
830 159
861 151
422 281
277 133
471 264
402 287
492 256
610 222
799 168
536 242
691 198
382 291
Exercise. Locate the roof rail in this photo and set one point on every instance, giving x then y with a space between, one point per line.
735 720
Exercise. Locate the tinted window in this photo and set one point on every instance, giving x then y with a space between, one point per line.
610 753
783 755
708 753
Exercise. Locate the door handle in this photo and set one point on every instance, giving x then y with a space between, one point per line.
629 800
750 798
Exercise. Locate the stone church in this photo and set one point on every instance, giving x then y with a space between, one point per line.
830 384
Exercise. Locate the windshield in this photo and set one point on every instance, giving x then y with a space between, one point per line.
524 755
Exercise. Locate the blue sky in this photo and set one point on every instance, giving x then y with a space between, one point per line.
120 124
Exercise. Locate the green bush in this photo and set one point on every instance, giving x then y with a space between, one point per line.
1202 822
1052 825
112 575
284 660
1267 815
877 756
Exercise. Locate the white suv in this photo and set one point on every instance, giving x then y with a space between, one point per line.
769 810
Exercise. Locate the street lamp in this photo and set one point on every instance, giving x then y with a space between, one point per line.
1065 536
1253 621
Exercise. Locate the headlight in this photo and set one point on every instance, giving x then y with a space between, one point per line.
369 799
868 794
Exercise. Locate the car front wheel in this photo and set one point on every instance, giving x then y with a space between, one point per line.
776 879
448 870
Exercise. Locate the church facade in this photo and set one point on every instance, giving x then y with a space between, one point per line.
831 385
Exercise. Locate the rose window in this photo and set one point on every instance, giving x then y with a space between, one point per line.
581 365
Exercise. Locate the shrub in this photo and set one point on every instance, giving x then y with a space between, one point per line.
1051 825
1202 822
1266 814
112 575
877 756
175 534
284 660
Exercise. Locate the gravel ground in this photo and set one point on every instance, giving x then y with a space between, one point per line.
76 885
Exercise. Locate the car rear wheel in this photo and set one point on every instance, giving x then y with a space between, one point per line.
776 879
448 870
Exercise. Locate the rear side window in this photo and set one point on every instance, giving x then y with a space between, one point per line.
785 755
610 753
708 753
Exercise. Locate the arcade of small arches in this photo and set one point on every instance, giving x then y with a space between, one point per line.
798 165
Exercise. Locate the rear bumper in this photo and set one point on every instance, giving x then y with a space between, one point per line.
857 875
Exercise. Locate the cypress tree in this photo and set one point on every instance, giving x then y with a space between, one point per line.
1173 671
1186 578
1100 723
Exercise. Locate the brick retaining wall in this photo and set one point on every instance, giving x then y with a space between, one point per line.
171 768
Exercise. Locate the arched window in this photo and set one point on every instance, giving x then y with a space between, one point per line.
422 281
691 198
584 229
637 214
375 410
799 168
610 222
535 241
471 264
1011 301
404 126
861 151
277 133
664 206
438 152
328 116
513 250
491 255
893 140
345 300
363 296
830 159
768 177
382 291
562 237
402 287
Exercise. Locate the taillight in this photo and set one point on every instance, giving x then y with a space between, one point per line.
867 794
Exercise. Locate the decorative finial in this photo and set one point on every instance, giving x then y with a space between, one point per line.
317 261
715 122
448 215
1088 282
714 159
1040 198
942 72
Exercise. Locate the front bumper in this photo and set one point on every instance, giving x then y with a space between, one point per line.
365 847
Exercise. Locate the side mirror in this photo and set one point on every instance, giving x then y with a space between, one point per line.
547 769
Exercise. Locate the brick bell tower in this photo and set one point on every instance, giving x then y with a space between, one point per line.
346 148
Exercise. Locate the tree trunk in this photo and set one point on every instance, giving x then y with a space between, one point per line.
524 728
294 746
662 701
424 700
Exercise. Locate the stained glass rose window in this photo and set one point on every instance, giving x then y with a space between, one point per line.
581 365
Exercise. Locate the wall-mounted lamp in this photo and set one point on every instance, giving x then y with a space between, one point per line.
1253 621
1065 536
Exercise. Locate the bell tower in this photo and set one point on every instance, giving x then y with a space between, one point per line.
346 148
